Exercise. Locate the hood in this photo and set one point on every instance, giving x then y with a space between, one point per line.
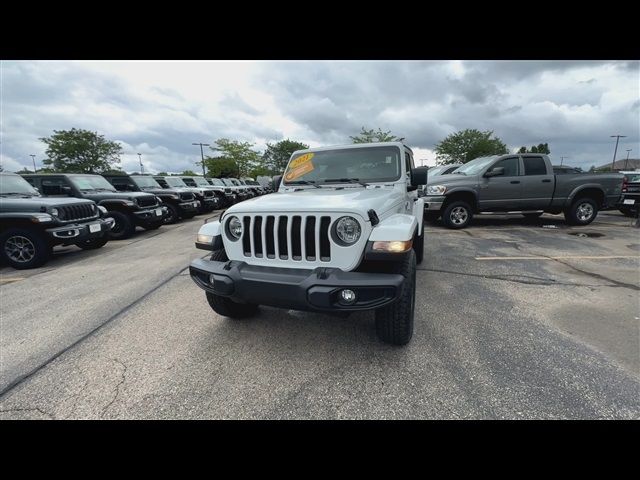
37 204
116 195
452 179
350 199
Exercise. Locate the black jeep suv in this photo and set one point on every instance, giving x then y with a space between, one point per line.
30 225
208 199
128 209
180 202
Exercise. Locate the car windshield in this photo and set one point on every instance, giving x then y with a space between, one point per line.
175 182
200 181
145 182
15 184
633 177
91 182
228 182
216 181
436 171
365 164
475 166
234 181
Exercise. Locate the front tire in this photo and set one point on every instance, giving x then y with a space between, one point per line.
418 246
225 306
394 323
581 212
23 248
123 228
173 215
93 243
457 215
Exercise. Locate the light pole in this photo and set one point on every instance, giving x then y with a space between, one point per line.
562 160
617 137
627 159
33 157
202 154
141 166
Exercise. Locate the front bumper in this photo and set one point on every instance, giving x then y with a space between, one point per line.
433 203
190 206
77 232
629 197
152 215
296 289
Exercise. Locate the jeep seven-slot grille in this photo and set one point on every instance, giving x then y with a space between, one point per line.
187 196
146 201
287 237
70 213
208 193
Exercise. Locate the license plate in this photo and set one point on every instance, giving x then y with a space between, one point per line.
630 201
94 227
158 212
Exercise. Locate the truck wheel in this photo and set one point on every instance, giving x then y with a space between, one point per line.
581 212
225 306
93 243
23 248
173 214
418 246
394 323
457 215
124 226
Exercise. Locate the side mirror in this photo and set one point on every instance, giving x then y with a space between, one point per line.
494 172
419 176
275 183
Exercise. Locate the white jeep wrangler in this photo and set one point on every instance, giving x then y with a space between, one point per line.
343 232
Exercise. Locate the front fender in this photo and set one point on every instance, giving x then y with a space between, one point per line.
397 227
210 236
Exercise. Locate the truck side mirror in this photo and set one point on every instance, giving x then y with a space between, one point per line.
494 172
275 183
419 176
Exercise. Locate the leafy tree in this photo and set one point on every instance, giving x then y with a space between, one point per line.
221 167
23 171
592 169
80 151
540 148
241 153
276 156
261 171
114 171
370 136
162 174
189 173
465 145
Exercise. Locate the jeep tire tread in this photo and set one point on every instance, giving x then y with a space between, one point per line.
24 248
124 227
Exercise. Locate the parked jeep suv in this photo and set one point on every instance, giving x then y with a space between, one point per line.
128 209
180 202
207 198
343 233
30 225
201 182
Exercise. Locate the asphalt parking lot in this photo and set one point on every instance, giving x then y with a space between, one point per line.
515 319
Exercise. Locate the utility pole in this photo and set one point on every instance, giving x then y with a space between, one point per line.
617 137
562 160
141 166
33 157
202 154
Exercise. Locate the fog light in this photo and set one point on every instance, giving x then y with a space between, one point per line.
347 296
212 279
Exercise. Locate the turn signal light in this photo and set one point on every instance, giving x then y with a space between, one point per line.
393 247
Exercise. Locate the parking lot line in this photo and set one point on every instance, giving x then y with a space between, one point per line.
563 257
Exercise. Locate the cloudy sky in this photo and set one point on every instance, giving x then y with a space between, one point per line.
160 108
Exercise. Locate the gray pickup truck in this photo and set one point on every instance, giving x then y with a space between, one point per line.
522 184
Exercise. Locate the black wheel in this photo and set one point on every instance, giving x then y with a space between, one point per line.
457 214
173 214
124 226
582 211
532 215
418 246
93 243
225 306
627 212
394 323
24 248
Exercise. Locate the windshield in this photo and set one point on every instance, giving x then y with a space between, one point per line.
235 182
228 182
16 184
367 164
475 166
175 182
436 171
216 181
145 182
91 182
200 181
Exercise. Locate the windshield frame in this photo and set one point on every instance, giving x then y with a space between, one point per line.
345 150
135 179
217 182
31 190
74 178
184 185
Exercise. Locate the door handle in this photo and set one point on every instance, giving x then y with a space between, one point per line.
515 181
546 181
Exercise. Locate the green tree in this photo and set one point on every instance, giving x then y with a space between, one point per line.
465 145
80 151
220 167
276 156
162 174
189 173
23 171
370 136
241 153
540 148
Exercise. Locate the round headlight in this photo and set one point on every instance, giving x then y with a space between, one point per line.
348 230
234 225
54 212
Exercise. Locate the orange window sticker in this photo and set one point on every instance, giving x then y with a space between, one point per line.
299 167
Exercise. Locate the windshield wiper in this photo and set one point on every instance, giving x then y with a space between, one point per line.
304 182
346 180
